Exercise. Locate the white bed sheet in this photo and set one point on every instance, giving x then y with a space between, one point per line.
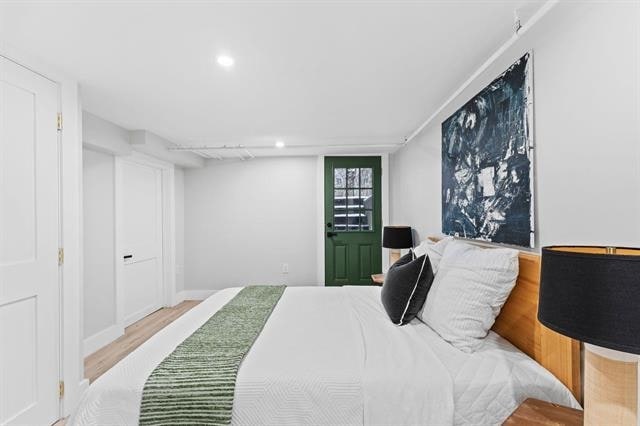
330 356
490 383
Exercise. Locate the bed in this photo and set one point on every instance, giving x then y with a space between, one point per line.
331 356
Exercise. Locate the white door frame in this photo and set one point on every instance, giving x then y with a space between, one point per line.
168 231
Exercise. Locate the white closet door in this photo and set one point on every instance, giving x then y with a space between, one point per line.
29 318
141 240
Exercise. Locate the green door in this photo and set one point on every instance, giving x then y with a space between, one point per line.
352 220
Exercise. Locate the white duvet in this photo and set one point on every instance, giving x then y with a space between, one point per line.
331 356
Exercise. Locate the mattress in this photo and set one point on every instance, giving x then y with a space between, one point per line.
331 356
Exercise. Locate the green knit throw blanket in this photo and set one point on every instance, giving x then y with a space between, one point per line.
195 384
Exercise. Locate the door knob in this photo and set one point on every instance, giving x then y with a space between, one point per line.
332 234
128 256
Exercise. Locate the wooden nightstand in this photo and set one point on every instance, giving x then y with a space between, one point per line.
377 279
540 413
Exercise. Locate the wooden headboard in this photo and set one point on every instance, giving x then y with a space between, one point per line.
518 323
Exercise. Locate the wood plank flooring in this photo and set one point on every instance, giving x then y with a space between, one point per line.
136 334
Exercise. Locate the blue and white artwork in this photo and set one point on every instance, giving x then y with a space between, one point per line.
487 162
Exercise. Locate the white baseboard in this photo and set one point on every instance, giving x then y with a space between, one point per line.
102 338
181 296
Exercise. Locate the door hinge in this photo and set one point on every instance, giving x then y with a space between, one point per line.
61 389
59 121
60 256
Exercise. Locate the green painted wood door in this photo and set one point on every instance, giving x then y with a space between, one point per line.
352 220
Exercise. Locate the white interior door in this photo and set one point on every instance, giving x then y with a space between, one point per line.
29 293
141 240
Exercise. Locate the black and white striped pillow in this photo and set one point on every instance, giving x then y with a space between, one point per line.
405 287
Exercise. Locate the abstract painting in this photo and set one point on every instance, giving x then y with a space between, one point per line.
487 162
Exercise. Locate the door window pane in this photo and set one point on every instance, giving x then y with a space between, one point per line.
366 178
339 178
340 209
353 220
353 198
339 199
366 196
353 178
367 221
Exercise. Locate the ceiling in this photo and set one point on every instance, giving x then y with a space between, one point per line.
308 73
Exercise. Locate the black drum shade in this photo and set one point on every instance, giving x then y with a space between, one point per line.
397 237
592 294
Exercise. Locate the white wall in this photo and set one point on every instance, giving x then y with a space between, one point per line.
179 216
243 220
99 234
587 130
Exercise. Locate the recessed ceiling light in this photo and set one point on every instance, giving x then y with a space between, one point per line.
279 144
225 61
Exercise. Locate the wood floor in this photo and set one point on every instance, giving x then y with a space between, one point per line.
136 334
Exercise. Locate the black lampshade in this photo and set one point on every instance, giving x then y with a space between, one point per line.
397 237
592 296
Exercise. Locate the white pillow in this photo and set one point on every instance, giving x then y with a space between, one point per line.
470 288
433 250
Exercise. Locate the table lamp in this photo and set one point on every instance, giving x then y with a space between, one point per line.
396 238
592 294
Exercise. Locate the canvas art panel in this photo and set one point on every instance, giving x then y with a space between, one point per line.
487 162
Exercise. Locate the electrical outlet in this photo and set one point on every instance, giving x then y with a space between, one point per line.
285 268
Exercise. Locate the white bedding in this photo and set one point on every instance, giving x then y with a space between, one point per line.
331 356
491 382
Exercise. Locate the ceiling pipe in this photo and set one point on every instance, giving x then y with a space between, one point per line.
251 156
202 154
205 155
212 155
246 148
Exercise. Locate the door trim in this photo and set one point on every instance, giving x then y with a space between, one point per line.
384 162
168 231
